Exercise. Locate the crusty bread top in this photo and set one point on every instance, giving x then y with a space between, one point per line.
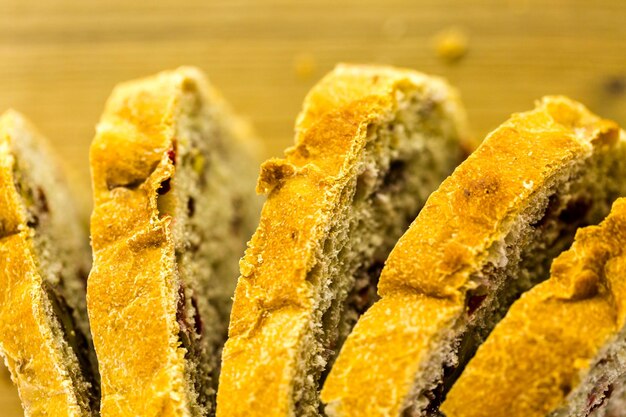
468 212
133 287
537 354
28 341
272 306
428 272
132 138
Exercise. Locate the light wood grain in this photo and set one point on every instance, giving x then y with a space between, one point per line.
59 59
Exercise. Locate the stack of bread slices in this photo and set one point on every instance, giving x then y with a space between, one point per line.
390 274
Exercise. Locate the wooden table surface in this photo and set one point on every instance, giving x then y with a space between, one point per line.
59 59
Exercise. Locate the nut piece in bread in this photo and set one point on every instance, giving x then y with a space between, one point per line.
174 203
561 347
487 234
371 144
44 259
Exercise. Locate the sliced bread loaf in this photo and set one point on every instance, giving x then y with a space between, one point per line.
487 234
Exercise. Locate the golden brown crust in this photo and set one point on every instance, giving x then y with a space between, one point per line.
132 289
272 307
536 355
13 212
27 340
446 243
467 211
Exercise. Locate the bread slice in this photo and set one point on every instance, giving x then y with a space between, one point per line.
562 346
173 180
371 144
44 261
487 234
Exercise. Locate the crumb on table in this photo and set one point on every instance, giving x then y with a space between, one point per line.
451 44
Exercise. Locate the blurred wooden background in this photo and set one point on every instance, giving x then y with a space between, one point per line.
59 59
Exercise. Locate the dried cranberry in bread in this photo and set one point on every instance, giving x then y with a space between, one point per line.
371 144
44 261
173 182
487 234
